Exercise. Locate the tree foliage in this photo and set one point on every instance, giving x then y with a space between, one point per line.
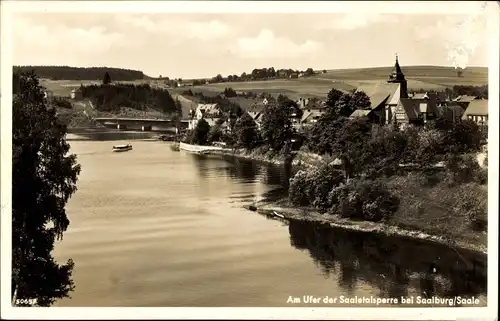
350 146
332 97
81 73
44 177
107 79
200 133
341 104
276 127
141 97
246 132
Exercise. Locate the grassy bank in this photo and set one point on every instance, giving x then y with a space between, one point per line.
430 208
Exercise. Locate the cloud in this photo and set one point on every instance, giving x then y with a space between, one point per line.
176 27
37 38
267 45
351 21
461 35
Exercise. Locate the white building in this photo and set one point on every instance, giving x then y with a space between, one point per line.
210 112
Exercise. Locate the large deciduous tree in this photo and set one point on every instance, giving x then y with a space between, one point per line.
276 127
44 177
246 131
333 96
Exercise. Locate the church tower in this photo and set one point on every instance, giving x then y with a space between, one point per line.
397 76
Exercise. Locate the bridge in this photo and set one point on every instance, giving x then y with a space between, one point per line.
143 124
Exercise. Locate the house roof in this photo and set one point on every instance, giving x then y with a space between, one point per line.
256 107
379 92
464 98
312 104
308 115
358 113
456 109
254 114
411 107
208 108
477 107
420 96
428 105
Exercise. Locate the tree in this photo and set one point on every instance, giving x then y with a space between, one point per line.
215 134
351 147
359 100
276 127
344 106
332 98
43 179
107 79
200 134
387 145
178 107
246 131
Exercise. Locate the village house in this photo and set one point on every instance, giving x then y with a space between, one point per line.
282 73
418 109
477 110
256 116
312 110
76 94
414 111
210 112
464 100
438 97
309 117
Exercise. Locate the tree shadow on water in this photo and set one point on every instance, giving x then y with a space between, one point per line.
392 265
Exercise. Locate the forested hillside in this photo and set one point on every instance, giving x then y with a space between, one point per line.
81 73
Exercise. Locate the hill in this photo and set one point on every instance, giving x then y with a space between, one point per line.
427 78
82 73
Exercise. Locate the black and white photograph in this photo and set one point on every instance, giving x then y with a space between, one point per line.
321 160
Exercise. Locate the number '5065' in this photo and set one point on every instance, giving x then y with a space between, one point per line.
25 301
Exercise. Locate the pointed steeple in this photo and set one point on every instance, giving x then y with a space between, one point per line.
397 73
397 76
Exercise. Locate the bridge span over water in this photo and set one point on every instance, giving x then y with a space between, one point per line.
144 124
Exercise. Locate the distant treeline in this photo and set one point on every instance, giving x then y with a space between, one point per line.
480 92
81 73
140 97
258 74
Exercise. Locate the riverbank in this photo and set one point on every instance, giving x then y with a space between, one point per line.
298 159
282 210
425 212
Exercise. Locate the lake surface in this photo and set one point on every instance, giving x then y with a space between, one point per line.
158 228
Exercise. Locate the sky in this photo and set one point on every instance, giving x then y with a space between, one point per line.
197 45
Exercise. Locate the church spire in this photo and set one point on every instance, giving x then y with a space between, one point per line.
397 73
397 76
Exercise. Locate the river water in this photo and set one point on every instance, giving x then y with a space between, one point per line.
157 228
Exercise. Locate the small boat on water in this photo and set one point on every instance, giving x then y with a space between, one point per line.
122 148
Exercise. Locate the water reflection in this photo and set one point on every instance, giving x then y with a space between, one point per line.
245 171
107 135
395 266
